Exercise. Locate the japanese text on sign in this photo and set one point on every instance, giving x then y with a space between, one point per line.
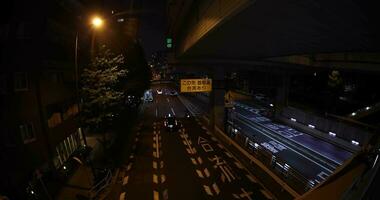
196 85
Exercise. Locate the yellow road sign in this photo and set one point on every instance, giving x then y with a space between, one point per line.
196 85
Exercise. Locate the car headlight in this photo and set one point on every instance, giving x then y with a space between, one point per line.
170 126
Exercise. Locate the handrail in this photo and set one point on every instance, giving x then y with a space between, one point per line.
94 191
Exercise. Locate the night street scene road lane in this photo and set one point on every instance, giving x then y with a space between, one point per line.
189 99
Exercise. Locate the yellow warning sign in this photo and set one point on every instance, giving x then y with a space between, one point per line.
196 85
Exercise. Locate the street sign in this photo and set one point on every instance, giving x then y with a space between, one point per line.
196 85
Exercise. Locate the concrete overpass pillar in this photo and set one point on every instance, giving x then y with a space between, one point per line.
216 103
282 93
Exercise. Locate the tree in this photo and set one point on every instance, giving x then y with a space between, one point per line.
101 90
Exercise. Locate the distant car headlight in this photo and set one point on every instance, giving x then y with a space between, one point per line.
170 126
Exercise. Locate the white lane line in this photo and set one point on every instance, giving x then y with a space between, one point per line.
163 178
156 195
266 194
172 110
167 99
216 188
155 178
199 172
125 180
122 196
207 189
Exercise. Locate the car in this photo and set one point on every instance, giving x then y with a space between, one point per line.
173 93
187 114
159 91
171 123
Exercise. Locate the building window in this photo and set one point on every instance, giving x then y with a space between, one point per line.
27 132
21 81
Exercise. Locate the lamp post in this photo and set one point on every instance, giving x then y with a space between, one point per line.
96 22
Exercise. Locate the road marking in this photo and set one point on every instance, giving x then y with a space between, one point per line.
207 189
214 139
216 188
251 178
208 132
122 196
266 194
239 165
204 128
157 148
129 166
167 99
207 173
161 164
193 161
155 178
199 173
125 180
165 194
156 195
220 146
172 110
163 178
154 154
154 165
200 160
228 154
131 156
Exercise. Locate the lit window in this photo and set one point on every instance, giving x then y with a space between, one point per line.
21 81
27 133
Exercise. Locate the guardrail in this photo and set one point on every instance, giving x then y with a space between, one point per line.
96 189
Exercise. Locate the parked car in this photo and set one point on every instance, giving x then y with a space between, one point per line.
171 123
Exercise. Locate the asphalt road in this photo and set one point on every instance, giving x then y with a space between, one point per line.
185 165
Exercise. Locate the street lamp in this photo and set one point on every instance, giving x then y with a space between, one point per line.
97 22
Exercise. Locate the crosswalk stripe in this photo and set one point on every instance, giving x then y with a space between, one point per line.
228 154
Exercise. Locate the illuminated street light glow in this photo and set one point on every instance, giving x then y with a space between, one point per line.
311 126
353 114
271 105
235 130
367 108
32 192
294 120
64 167
97 22
355 142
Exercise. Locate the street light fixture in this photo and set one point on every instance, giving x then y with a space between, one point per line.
97 22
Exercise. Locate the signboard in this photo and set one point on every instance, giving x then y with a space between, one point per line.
196 85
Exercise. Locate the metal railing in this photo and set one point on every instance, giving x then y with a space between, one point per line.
96 189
